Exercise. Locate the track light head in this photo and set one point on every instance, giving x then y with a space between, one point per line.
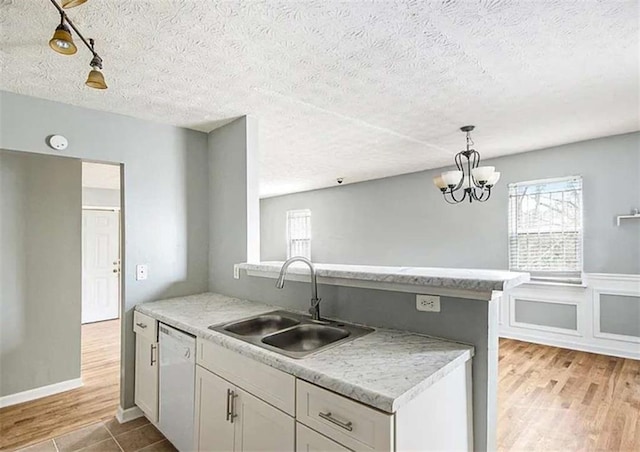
66 4
62 42
96 77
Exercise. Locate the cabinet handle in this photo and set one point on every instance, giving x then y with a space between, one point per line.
153 349
345 425
142 325
228 403
231 396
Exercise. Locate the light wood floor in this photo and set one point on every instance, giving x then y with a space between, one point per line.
97 400
552 399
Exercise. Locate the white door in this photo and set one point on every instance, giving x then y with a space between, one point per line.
100 265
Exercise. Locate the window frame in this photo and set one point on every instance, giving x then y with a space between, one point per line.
573 277
298 213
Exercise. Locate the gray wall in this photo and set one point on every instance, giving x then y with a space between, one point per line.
40 299
233 206
403 220
620 314
100 197
557 315
234 225
165 195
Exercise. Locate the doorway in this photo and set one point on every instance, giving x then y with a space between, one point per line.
100 242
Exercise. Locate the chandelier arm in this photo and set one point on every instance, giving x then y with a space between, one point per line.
482 198
488 191
476 163
464 195
459 164
450 202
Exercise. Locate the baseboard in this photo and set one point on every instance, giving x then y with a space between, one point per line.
129 414
38 393
572 345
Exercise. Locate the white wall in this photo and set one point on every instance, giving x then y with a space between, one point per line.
40 264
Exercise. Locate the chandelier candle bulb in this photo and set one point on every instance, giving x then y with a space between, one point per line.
439 182
483 173
452 178
495 177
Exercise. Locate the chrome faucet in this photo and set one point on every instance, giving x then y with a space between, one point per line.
314 310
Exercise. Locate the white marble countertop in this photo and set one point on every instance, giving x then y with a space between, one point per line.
448 280
384 369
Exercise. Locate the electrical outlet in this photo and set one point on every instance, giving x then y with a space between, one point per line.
236 271
141 272
429 303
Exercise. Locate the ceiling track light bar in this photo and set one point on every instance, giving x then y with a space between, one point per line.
64 44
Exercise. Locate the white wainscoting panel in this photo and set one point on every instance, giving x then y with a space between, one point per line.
587 336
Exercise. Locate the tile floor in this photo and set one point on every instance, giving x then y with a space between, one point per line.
108 436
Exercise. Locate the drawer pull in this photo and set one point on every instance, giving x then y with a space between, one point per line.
345 425
142 325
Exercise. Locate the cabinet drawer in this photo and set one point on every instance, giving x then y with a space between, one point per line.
344 420
271 385
145 326
309 441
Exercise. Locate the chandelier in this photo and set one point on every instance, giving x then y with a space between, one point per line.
470 181
62 42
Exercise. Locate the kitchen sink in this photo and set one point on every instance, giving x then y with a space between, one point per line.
261 325
291 334
304 338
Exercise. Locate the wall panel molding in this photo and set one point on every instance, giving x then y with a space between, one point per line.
588 335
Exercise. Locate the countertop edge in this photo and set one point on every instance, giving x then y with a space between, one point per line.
463 282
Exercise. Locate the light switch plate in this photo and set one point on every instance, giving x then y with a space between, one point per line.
141 272
428 303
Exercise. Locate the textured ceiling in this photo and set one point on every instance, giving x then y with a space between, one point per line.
359 89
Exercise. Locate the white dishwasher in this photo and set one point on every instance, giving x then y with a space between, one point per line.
177 386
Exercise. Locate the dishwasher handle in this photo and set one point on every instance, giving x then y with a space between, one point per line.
154 349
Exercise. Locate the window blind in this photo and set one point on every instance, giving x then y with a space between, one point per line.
545 228
299 233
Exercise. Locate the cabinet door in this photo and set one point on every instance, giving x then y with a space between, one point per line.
213 429
260 426
146 375
308 440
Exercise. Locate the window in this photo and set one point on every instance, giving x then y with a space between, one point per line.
299 233
545 228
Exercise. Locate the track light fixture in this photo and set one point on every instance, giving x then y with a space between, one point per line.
62 42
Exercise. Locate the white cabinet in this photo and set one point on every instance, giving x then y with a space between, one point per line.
228 418
438 419
146 375
213 429
308 440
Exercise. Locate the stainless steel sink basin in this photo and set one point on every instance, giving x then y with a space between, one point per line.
306 338
291 334
261 325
